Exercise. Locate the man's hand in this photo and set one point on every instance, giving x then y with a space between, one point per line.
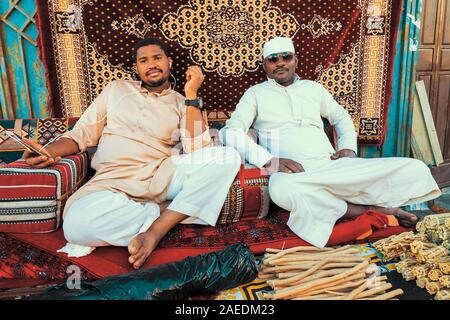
39 161
283 165
194 79
343 154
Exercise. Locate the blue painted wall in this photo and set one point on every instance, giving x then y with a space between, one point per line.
21 70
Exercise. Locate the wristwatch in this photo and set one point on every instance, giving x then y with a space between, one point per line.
195 103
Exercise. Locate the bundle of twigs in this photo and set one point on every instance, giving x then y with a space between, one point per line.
437 228
426 262
396 245
309 273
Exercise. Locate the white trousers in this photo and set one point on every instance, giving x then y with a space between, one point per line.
198 189
317 197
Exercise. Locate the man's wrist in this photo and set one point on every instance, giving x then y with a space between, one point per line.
191 95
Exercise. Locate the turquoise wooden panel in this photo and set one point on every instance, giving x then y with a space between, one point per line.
23 93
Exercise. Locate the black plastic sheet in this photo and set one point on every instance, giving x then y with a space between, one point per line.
202 274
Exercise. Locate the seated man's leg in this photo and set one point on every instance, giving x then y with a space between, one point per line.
347 188
391 183
198 189
313 209
106 218
382 185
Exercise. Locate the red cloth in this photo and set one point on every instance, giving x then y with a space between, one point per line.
37 252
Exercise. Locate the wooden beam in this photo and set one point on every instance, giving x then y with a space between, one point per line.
424 142
5 81
429 122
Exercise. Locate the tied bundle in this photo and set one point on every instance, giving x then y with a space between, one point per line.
309 273
424 257
437 228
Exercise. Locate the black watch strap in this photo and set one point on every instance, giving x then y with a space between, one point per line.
194 103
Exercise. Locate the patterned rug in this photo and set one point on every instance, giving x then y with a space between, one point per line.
347 45
33 257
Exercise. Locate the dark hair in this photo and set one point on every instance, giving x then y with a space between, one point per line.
149 41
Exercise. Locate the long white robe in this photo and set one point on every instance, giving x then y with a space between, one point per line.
198 189
288 122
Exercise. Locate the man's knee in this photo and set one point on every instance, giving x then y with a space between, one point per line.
280 189
228 161
417 168
77 227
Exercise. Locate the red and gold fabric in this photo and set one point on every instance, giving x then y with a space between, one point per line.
348 46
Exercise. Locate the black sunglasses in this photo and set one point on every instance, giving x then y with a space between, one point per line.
286 56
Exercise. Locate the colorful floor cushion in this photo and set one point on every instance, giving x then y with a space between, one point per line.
32 200
26 256
248 196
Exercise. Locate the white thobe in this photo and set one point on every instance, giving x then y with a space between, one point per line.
197 189
288 123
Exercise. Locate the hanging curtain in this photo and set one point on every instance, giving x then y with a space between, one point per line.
398 135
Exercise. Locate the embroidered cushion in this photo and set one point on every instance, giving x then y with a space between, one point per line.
32 200
248 196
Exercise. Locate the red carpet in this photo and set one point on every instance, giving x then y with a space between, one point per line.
25 258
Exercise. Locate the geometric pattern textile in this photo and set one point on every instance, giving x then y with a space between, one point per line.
20 261
40 130
347 45
248 196
32 200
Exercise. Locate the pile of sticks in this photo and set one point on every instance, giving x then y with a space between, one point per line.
309 273
425 262
437 228
397 245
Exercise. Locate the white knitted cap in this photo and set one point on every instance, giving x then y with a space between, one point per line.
277 45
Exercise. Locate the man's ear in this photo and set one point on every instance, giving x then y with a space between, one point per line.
264 66
170 62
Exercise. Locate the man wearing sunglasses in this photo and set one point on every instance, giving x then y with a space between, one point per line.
309 178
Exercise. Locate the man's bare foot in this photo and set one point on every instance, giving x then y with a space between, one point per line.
405 219
141 247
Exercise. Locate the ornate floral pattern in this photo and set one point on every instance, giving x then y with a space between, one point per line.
137 25
224 38
320 26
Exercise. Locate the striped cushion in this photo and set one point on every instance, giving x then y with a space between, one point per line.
32 200
248 197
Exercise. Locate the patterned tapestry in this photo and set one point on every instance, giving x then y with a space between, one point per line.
347 45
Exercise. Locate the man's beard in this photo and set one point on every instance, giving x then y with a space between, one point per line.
157 83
